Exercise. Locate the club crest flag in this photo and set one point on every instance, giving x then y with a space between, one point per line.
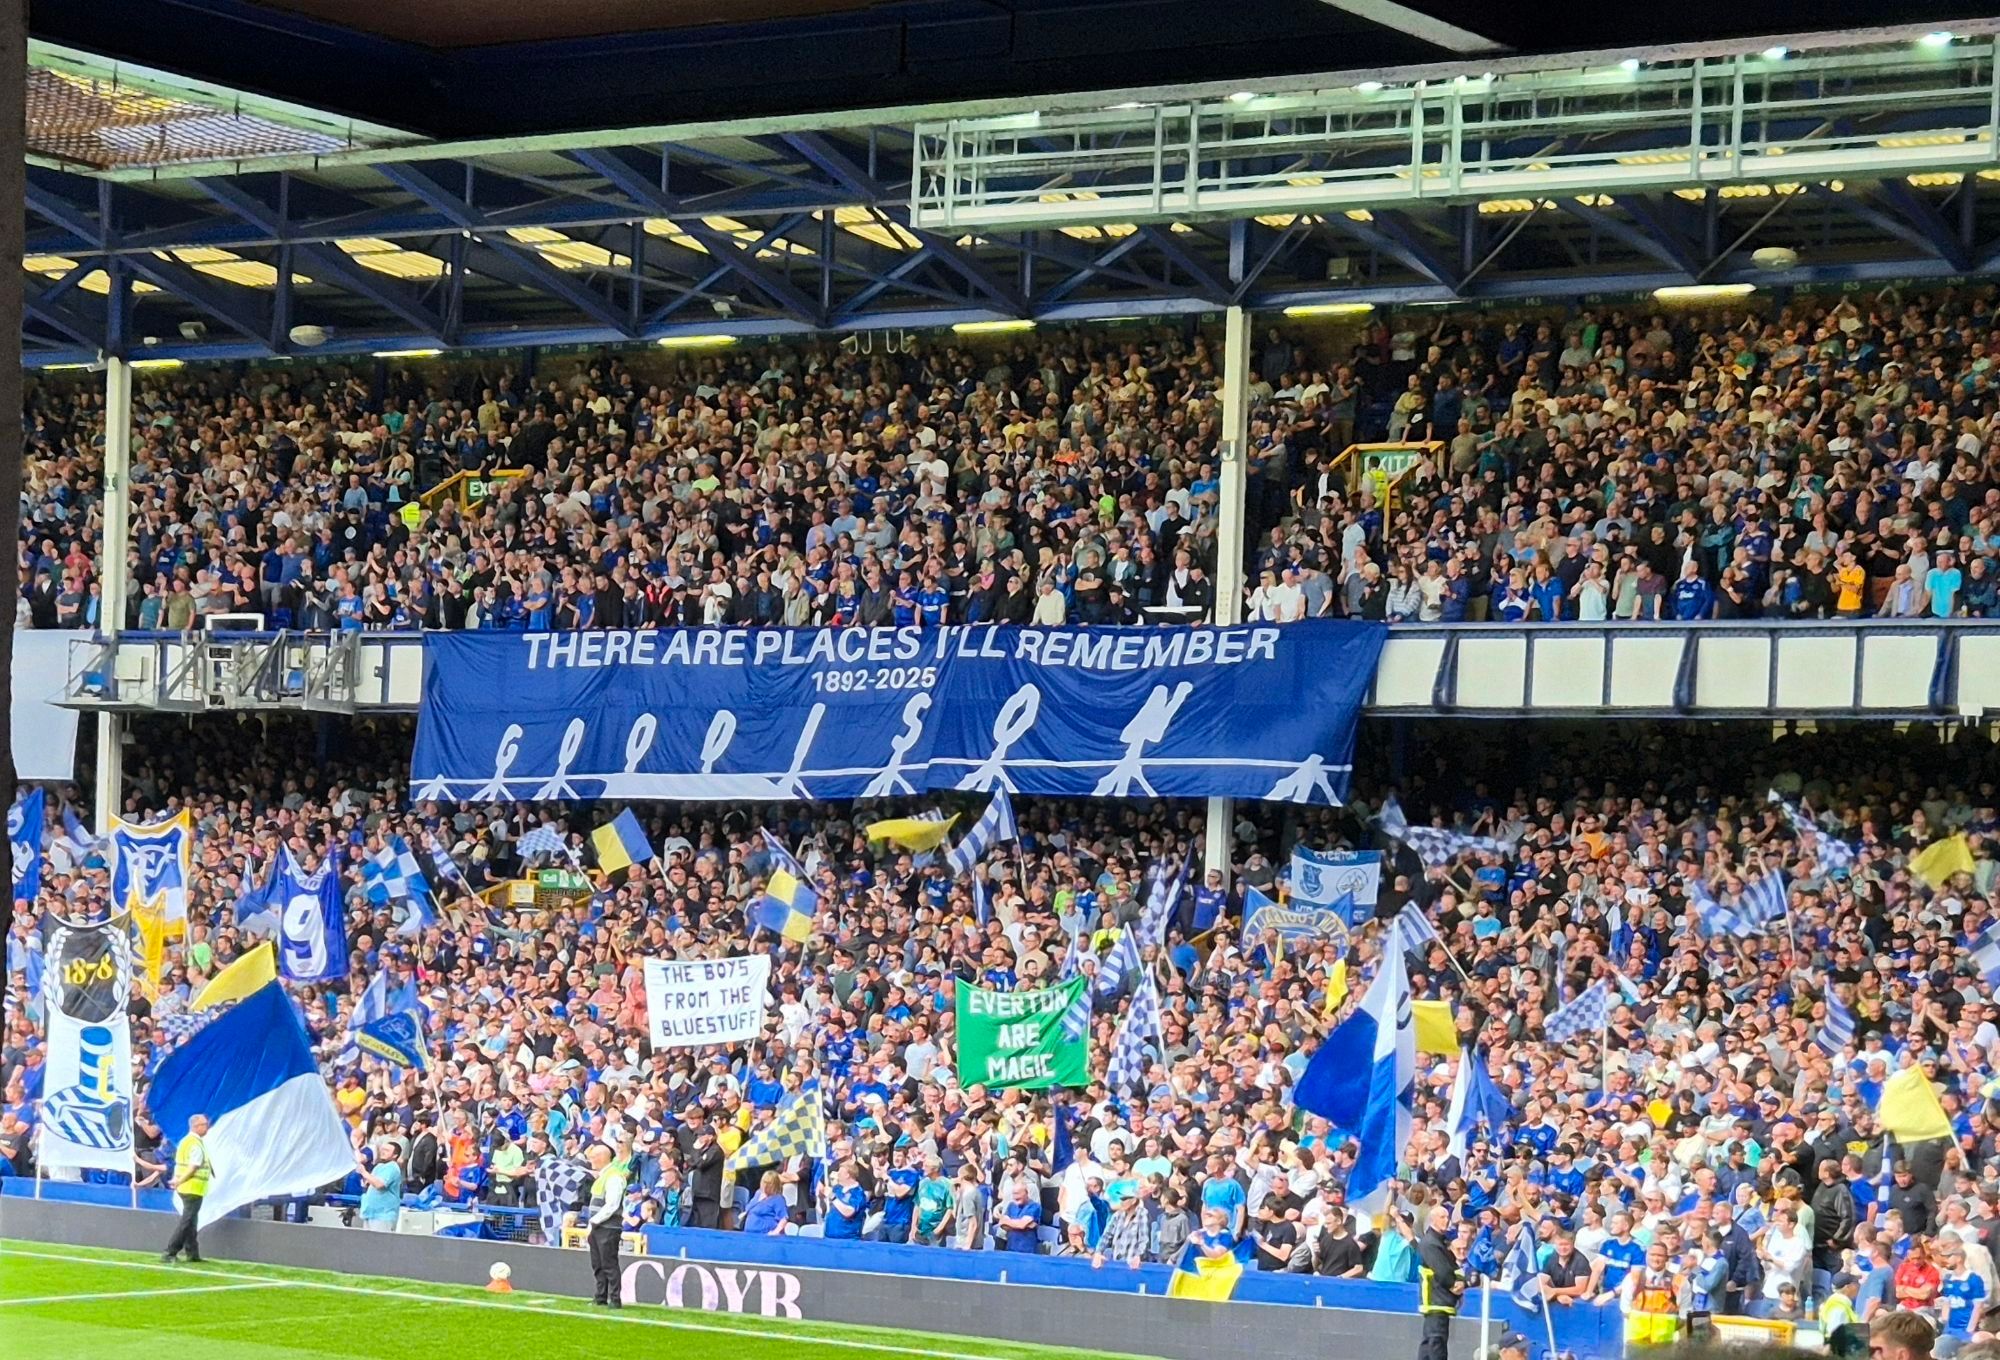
1321 878
771 714
1295 922
691 1002
312 923
87 1079
152 864
1017 1039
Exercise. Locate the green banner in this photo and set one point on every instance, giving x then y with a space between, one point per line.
1016 1039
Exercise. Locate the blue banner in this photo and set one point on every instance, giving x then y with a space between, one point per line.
312 922
1321 878
1254 711
1295 921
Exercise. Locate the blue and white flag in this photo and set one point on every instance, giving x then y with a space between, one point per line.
1589 1010
1837 1031
1521 1274
1766 900
151 867
397 1037
312 923
994 827
1295 922
392 874
1327 878
1833 853
1436 845
25 822
1076 1020
377 1000
81 844
542 840
1163 899
448 868
257 905
1141 1027
1412 930
1477 1105
1364 1079
274 1129
1718 918
1985 956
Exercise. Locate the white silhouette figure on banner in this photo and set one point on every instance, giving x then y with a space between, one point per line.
630 782
558 785
890 779
721 731
1311 777
790 786
495 789
1010 724
1149 724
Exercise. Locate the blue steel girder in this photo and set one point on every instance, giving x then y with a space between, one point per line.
1913 208
1393 234
47 306
1637 235
325 264
497 256
1856 205
726 250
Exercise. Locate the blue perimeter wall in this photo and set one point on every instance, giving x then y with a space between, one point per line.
1588 1333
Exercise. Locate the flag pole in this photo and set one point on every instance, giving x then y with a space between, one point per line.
1548 1321
1485 1311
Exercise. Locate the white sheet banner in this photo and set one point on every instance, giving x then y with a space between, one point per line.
690 1002
44 731
87 1101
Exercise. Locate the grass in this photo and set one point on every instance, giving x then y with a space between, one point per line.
58 1302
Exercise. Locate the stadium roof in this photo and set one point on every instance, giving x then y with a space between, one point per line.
462 174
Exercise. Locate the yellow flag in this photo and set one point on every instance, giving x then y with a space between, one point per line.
1336 986
1437 1030
239 979
1910 1109
151 920
912 833
1939 860
1210 1278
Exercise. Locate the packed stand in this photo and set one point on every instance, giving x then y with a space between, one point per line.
1602 465
1713 1145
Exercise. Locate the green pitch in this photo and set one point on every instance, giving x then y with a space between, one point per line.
60 1302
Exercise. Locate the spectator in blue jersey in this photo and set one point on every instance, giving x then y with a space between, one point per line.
1693 598
897 1181
1019 1220
767 1212
847 1206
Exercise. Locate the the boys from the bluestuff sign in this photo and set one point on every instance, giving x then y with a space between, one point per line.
1253 711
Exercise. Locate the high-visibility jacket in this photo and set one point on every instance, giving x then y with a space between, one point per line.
1437 1275
1653 1317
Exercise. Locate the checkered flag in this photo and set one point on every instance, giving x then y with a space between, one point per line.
800 1127
1718 918
543 840
1412 930
1837 1032
560 1186
1835 854
1591 1009
1076 1020
995 825
1436 845
1127 1067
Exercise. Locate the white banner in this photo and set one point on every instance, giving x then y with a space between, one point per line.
690 1002
87 1092
1322 877
44 731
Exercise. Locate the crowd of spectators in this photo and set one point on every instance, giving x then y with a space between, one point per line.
1709 1130
1816 459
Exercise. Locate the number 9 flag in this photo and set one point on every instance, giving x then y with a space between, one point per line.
87 1111
312 923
